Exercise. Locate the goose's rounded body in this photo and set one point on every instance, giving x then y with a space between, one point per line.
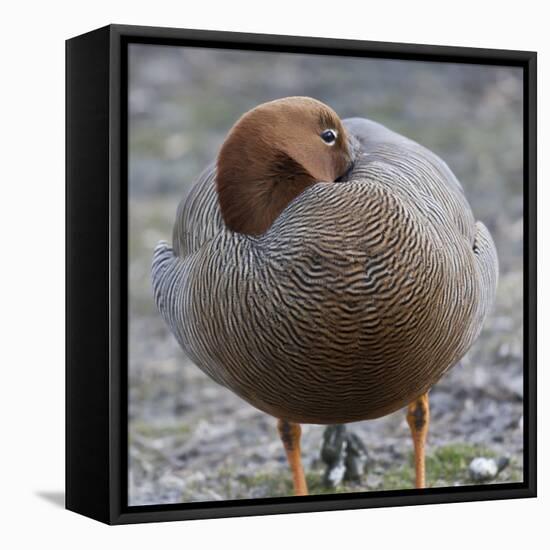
353 303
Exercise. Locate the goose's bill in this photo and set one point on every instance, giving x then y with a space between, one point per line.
346 174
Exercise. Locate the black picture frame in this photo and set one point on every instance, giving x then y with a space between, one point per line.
96 273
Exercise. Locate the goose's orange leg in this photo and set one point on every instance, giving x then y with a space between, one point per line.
290 433
418 417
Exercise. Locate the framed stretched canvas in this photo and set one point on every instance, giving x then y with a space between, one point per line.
300 274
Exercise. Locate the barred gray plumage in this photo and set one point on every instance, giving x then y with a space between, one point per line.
355 302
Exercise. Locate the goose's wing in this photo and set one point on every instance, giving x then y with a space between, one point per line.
198 217
198 221
424 175
411 170
370 134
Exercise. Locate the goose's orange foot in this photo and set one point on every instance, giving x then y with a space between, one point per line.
290 433
418 418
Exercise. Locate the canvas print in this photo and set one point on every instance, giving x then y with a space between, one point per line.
325 274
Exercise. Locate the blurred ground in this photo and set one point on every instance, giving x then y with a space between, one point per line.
193 440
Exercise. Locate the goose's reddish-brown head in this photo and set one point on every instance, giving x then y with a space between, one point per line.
272 154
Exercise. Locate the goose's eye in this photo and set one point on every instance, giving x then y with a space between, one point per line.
329 136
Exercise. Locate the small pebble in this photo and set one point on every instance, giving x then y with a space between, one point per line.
485 469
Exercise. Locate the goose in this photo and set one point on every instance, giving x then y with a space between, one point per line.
325 271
